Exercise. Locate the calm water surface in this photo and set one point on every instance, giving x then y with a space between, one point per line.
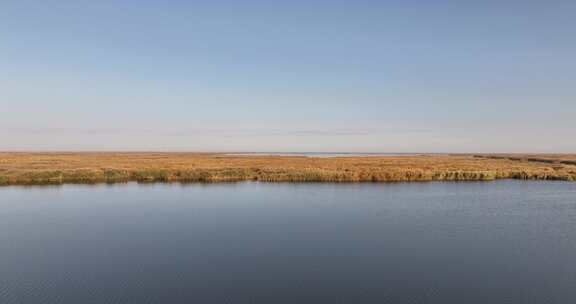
495 242
324 154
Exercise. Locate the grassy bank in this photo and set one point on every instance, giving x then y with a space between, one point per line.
59 168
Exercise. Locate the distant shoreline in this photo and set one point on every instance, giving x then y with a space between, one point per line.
108 167
322 154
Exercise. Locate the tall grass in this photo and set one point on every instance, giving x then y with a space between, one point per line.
30 168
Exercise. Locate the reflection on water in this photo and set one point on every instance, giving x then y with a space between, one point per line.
492 242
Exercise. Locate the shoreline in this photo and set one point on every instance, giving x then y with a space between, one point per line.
248 182
90 168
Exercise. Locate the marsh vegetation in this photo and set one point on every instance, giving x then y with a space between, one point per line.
58 168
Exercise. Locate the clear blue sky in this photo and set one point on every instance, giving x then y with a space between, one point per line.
376 76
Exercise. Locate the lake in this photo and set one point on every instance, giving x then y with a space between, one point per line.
326 155
470 242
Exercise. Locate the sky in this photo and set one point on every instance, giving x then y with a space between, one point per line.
288 76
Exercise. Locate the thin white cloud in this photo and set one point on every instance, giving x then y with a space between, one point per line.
254 132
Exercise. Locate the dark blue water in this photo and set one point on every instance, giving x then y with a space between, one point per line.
494 242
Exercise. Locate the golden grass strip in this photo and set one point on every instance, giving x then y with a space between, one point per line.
60 168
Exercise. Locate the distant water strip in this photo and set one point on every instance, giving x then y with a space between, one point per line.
323 155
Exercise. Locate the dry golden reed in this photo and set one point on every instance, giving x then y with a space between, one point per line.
59 168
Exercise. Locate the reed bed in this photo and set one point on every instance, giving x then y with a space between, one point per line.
60 168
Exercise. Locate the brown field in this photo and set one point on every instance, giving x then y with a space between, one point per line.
58 168
567 159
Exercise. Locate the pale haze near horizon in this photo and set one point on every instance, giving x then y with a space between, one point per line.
357 76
